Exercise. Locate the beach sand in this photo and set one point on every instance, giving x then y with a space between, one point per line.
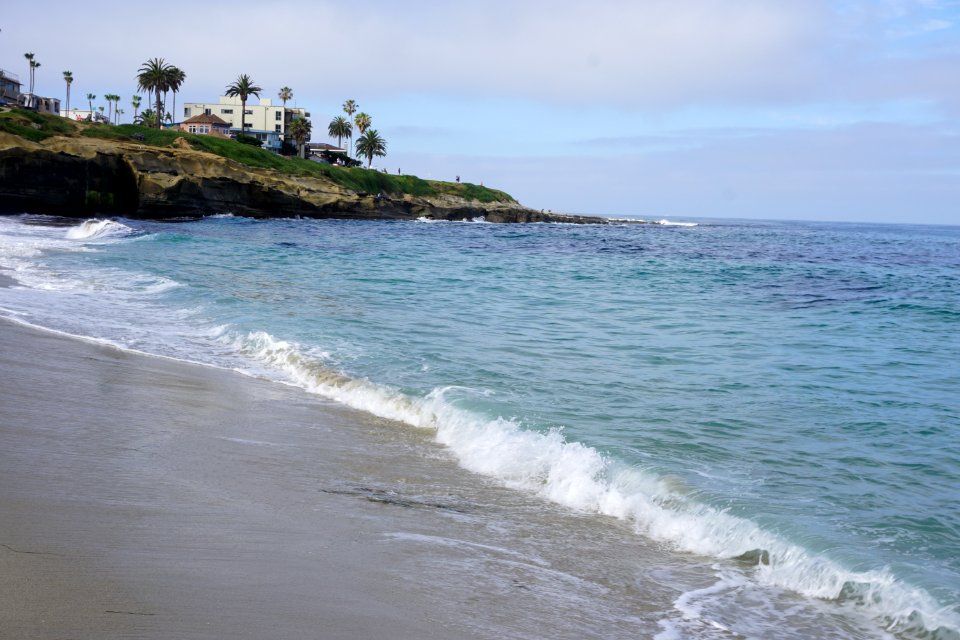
142 497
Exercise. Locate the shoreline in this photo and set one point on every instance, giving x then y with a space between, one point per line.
107 526
155 498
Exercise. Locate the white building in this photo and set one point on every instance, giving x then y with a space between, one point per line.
82 115
40 104
264 120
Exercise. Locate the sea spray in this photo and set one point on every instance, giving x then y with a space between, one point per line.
95 229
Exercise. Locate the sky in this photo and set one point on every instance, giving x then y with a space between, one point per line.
841 110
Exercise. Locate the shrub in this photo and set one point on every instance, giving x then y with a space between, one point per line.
250 140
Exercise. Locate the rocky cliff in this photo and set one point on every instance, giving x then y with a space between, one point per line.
79 176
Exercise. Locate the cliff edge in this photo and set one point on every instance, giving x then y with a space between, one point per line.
71 175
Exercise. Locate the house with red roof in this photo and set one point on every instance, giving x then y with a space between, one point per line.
206 124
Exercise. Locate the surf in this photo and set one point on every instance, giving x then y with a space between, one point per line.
96 229
579 477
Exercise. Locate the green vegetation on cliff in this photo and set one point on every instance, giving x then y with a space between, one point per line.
37 127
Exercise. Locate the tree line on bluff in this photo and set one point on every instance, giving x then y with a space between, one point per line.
158 77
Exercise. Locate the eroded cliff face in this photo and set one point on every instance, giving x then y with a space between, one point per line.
88 176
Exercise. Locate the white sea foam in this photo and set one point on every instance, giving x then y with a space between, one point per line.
662 221
579 477
670 223
95 229
476 220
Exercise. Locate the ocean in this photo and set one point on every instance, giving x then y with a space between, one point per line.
772 407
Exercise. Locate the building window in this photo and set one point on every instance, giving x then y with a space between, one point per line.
230 111
206 111
248 112
277 128
186 112
279 115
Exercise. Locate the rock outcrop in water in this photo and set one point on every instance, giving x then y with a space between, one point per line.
79 176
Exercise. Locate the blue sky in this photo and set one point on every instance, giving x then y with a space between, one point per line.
800 109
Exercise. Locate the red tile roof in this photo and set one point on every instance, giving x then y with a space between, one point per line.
204 118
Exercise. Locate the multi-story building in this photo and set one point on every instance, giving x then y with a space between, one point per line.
265 121
40 104
9 87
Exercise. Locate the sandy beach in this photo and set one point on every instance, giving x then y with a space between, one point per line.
148 498
142 497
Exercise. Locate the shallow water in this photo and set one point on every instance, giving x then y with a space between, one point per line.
778 400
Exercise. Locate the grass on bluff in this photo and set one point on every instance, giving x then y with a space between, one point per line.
39 126
35 126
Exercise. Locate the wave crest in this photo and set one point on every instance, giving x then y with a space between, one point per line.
94 229
580 477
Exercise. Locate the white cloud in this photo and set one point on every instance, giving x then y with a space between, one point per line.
631 55
655 52
621 52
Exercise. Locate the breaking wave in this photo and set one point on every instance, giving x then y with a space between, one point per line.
579 477
95 229
670 223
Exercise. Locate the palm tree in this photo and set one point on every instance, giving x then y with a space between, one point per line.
286 93
339 128
175 81
110 98
29 57
154 75
371 144
243 87
33 65
90 98
68 78
301 129
135 102
147 118
116 115
350 108
363 121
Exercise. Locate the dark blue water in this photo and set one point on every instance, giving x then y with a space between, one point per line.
783 393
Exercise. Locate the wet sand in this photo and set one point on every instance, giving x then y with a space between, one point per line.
148 498
136 501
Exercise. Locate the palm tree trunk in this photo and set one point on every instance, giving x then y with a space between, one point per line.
243 116
159 107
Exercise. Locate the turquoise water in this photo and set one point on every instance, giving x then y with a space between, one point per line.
783 393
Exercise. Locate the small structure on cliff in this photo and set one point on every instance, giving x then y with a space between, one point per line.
9 87
206 124
40 104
